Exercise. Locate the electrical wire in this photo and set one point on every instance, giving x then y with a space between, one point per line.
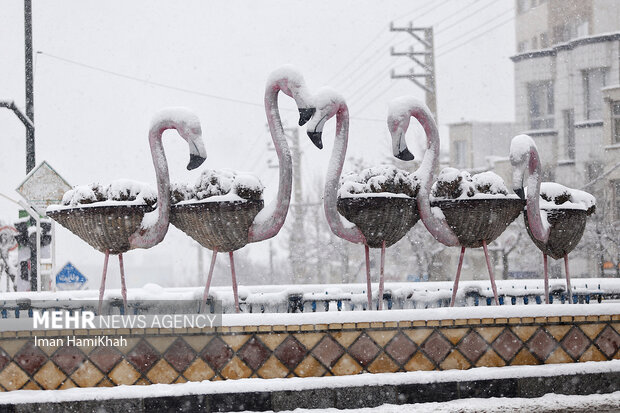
171 87
481 26
475 37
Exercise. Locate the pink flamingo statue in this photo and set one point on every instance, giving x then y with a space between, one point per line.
435 219
264 223
151 229
555 229
328 104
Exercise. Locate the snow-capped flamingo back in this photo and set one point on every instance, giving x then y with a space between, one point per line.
288 80
401 110
524 155
330 103
186 123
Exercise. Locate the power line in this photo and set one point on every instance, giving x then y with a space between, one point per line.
443 45
383 92
477 36
484 6
382 31
437 23
424 13
171 87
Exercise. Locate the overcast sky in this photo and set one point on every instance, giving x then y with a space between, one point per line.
101 68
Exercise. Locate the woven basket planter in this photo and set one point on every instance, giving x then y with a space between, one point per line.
103 227
567 226
475 220
380 218
221 225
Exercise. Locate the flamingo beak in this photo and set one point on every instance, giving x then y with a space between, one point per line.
195 161
315 137
405 155
305 114
520 192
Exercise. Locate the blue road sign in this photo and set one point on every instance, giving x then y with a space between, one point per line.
69 278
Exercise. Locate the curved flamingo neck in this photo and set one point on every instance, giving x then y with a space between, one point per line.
150 235
336 163
438 227
539 230
269 220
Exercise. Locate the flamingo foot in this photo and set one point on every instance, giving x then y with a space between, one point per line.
490 268
234 281
545 267
102 288
381 276
456 279
568 287
205 294
123 286
368 285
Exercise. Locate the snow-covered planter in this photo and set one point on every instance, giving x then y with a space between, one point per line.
219 209
476 207
564 211
381 201
105 216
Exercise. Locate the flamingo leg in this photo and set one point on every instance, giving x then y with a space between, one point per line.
381 276
491 276
368 285
234 281
568 288
456 279
102 288
123 286
205 294
546 278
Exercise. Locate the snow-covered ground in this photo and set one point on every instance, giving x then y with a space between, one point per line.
548 403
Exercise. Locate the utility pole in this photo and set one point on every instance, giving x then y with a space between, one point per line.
30 159
424 60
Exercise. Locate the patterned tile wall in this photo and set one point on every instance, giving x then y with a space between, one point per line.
176 356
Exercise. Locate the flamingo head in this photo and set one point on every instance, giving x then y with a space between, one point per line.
398 125
520 158
290 81
328 103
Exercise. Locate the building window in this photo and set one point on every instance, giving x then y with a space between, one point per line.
615 122
569 134
544 40
523 6
593 81
540 103
522 46
460 154
535 42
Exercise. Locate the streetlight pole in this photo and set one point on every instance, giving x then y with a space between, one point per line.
30 159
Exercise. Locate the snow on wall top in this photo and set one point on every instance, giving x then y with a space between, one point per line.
219 185
385 179
454 184
118 192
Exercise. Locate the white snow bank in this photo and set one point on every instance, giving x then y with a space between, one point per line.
548 403
118 192
178 115
454 184
379 180
298 383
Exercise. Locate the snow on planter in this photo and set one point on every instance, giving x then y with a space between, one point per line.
556 196
219 185
118 192
379 181
454 184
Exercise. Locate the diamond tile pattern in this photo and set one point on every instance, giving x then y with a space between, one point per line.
338 350
68 358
